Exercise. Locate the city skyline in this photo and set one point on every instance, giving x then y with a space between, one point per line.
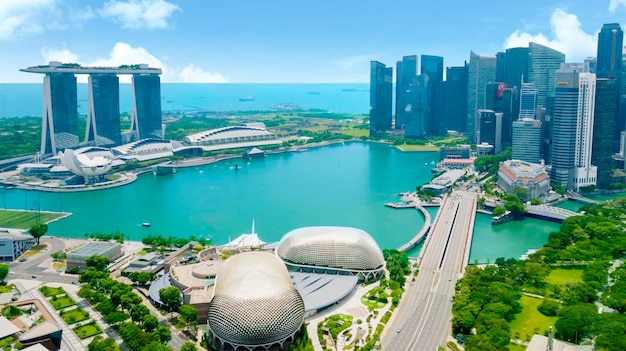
304 43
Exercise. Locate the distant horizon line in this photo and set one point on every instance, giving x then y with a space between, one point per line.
216 83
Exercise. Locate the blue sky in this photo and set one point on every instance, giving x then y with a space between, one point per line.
276 41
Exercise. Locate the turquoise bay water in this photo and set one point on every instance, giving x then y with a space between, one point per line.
345 185
18 100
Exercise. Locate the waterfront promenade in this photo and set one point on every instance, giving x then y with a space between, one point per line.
422 320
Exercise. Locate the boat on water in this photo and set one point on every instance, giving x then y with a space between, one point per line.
247 98
145 224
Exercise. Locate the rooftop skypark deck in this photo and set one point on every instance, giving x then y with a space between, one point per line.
74 68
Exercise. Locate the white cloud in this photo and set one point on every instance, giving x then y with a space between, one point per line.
19 17
566 35
124 54
354 62
193 74
614 4
139 13
63 55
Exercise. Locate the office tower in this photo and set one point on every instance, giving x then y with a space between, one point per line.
489 128
528 101
60 115
585 174
146 115
526 140
481 71
515 66
499 98
455 92
542 64
406 71
609 57
439 104
500 66
380 97
433 67
103 114
603 128
417 108
564 120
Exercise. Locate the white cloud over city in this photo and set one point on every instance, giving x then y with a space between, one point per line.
21 17
125 54
614 4
151 14
566 35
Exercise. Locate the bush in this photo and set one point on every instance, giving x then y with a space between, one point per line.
549 307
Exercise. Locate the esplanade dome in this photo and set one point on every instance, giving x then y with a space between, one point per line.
254 302
337 250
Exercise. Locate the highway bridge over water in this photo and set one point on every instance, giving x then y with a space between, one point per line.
422 321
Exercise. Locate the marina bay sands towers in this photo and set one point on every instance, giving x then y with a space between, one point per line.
60 115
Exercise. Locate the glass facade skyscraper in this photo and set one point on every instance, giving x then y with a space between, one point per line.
60 117
603 127
564 127
585 174
103 115
432 66
406 73
147 106
381 89
609 57
417 108
542 64
528 101
481 71
526 140
455 94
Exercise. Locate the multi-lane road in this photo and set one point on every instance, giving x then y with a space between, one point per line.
422 321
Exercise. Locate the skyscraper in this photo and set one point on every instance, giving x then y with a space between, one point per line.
146 119
455 94
60 116
406 72
528 101
609 57
500 66
489 128
542 64
103 114
381 88
481 71
433 67
515 66
417 108
564 121
585 174
526 140
603 128
499 98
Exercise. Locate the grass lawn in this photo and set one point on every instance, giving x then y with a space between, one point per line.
34 250
74 315
356 132
530 321
516 347
560 276
58 265
87 330
49 291
62 302
25 219
406 147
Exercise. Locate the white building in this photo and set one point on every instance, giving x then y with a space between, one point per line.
584 173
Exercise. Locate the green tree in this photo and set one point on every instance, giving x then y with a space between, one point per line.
188 346
575 322
549 307
171 297
99 263
189 314
498 211
137 312
37 231
4 271
150 323
101 344
163 334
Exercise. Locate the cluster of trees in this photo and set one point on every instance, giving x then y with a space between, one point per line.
491 163
141 278
123 310
4 272
117 236
398 265
19 136
173 241
182 127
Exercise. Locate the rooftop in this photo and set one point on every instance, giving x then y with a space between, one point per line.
7 328
74 68
91 249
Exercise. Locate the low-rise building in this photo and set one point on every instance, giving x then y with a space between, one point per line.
514 174
77 257
13 243
150 262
